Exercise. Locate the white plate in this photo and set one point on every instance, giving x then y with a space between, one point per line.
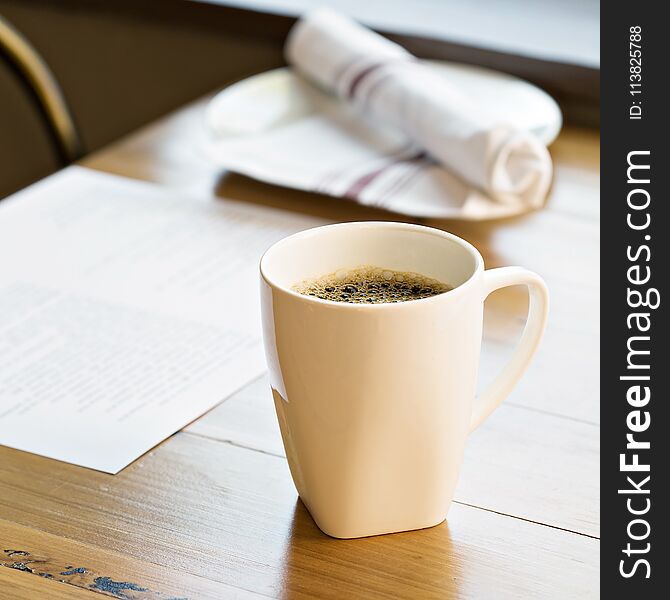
278 128
275 97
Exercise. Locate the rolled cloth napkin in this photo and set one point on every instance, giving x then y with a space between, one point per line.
389 84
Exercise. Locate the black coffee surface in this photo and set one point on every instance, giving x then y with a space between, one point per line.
371 285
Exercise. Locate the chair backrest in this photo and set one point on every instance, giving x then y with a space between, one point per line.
35 75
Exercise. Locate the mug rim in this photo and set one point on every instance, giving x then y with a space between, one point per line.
314 231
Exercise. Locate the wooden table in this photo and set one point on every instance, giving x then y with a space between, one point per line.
212 512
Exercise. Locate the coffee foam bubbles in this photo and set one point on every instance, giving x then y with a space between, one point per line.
371 285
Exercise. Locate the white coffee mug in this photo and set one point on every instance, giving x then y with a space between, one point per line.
375 401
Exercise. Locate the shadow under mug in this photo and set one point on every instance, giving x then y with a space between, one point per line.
375 401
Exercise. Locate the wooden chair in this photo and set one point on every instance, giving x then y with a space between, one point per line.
37 87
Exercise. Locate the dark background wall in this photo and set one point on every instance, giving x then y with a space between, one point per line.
118 69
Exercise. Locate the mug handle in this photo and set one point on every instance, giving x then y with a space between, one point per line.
499 389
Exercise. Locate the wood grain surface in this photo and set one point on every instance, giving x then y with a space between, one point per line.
212 511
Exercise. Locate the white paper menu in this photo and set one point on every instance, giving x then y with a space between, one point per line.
126 311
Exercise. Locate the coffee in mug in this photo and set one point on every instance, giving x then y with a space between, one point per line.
371 285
